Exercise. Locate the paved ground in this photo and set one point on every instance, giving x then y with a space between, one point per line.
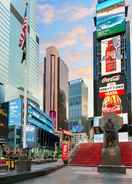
79 175
35 167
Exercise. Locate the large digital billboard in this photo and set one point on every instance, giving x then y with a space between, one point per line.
103 4
111 56
15 112
112 95
3 123
110 20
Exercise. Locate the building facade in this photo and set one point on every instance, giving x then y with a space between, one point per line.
55 87
16 68
78 104
112 65
4 40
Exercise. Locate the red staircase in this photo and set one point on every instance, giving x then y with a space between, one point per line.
126 153
89 154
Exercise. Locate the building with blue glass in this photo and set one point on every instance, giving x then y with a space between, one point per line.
78 103
39 128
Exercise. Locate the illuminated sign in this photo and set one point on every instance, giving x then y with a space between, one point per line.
111 56
15 112
111 79
111 20
103 4
111 87
30 136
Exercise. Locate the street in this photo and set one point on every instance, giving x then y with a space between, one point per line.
81 175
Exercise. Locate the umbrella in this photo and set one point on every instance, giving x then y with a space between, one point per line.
116 119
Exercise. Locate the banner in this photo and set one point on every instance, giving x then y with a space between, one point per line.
65 152
111 56
110 20
52 115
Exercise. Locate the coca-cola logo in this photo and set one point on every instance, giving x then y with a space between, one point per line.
111 79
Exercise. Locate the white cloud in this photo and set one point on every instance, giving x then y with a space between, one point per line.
48 13
67 40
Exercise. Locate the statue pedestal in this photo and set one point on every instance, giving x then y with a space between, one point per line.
112 169
111 161
111 156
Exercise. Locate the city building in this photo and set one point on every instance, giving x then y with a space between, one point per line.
4 45
39 128
112 64
16 68
55 87
78 107
63 95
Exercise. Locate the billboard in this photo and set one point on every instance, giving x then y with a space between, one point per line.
110 20
30 136
112 96
3 124
103 4
53 116
111 56
15 112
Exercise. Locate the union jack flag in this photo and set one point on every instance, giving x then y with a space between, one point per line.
23 34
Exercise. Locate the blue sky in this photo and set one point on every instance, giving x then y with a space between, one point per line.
68 25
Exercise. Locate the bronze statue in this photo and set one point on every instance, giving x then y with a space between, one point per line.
110 134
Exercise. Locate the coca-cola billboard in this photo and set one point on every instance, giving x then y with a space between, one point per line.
112 94
111 56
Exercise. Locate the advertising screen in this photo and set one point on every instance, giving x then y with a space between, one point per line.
3 124
103 4
111 56
15 112
112 95
110 20
30 136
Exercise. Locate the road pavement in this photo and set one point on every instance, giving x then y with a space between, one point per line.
81 175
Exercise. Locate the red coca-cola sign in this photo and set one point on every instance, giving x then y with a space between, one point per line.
65 151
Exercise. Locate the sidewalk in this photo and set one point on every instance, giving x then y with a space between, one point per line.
8 177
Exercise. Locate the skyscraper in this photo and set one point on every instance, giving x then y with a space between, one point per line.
4 40
78 103
55 86
16 68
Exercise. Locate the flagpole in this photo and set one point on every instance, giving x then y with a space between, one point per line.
25 87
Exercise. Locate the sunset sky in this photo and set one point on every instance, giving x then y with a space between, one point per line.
68 25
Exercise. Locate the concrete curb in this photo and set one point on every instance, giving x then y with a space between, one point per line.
10 179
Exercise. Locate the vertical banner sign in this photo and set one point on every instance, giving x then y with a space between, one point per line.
64 151
52 115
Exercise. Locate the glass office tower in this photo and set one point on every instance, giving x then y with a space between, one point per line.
4 40
16 68
78 102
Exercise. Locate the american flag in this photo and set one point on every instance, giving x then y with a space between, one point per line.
23 34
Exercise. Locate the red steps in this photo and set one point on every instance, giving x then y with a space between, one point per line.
89 154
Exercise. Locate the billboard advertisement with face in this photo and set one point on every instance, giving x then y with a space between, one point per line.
110 20
111 56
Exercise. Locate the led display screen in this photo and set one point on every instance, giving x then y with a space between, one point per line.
112 95
15 112
103 4
111 56
30 136
110 20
